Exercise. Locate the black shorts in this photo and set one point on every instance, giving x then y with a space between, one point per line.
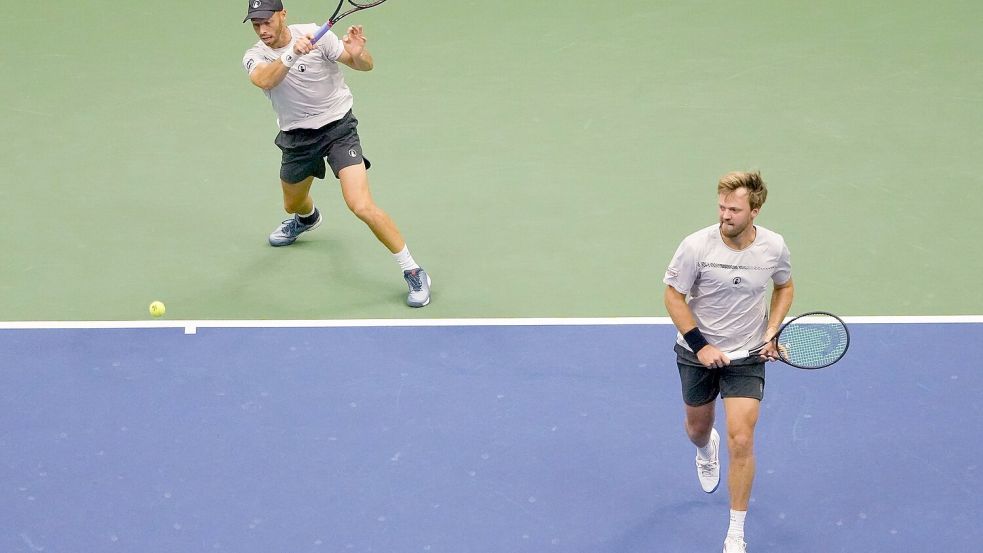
743 378
304 150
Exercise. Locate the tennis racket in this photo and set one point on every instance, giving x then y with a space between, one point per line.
356 6
810 341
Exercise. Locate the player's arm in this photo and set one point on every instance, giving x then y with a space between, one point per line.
781 302
270 74
682 317
355 55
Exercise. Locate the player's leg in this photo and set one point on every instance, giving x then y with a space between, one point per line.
297 196
343 149
300 163
700 388
699 423
742 387
344 154
355 189
699 428
742 416
298 202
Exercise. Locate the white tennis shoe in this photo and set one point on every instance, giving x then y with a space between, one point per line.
709 470
419 283
735 544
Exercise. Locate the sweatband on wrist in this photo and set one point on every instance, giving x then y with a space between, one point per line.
694 338
288 58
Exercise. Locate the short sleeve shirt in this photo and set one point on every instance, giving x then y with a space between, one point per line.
726 288
314 92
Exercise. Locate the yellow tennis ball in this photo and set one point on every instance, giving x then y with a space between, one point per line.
157 309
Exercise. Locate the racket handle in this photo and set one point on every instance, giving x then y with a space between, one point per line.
739 354
320 32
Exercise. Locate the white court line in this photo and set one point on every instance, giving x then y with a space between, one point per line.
191 327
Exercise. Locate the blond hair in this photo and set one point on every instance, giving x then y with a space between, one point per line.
755 185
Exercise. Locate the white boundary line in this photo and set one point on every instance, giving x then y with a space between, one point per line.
191 327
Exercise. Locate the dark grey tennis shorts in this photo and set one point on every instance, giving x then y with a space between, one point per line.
304 150
742 378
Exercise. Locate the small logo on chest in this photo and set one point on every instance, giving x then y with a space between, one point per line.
736 281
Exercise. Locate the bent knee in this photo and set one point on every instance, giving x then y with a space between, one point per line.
364 210
699 427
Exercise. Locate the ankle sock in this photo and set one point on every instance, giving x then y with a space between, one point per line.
308 219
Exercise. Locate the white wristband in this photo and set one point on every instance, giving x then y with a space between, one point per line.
289 57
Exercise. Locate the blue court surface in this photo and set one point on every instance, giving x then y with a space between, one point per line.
471 439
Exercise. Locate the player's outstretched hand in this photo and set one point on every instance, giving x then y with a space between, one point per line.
354 41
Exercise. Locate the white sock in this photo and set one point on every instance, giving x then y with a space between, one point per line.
313 209
736 523
405 260
705 452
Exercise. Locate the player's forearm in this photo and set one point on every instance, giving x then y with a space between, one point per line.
269 75
781 302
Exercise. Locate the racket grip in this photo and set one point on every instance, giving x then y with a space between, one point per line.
320 32
739 354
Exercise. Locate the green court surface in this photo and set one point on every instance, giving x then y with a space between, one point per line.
543 159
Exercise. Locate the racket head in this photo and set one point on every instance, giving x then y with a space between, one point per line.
362 4
813 340
356 6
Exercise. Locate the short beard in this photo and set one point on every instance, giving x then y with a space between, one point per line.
737 231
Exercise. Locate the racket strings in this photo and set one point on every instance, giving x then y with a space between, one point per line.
813 344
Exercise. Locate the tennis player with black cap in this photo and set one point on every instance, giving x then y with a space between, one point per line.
306 86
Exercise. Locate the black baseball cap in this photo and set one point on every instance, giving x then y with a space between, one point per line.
262 9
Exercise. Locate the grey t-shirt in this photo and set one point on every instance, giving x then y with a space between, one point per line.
314 92
726 288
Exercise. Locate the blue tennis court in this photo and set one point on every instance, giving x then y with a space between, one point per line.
535 438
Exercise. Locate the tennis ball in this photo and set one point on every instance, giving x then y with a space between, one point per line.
157 309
